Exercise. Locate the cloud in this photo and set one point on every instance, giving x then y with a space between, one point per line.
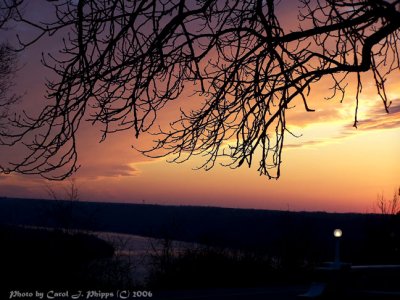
305 144
325 113
107 170
377 118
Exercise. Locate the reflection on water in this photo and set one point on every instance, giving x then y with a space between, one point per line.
135 251
138 250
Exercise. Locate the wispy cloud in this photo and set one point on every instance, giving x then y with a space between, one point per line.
107 170
326 113
306 144
376 118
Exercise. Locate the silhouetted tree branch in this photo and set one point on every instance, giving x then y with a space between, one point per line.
8 63
391 206
8 9
123 61
7 70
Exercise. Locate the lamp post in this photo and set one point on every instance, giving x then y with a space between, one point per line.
337 233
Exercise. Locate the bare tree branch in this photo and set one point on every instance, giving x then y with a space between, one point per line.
123 61
8 63
391 206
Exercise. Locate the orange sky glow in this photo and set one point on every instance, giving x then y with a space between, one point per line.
332 166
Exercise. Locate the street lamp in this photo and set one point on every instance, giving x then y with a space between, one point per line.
337 233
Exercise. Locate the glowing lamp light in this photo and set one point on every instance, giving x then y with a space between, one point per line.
337 233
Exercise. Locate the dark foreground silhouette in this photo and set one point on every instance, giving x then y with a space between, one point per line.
240 254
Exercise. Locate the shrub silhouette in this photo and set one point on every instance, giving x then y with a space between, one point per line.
38 258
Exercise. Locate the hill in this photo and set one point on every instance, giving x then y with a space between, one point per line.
366 237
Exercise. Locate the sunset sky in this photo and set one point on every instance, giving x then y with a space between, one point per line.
331 167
